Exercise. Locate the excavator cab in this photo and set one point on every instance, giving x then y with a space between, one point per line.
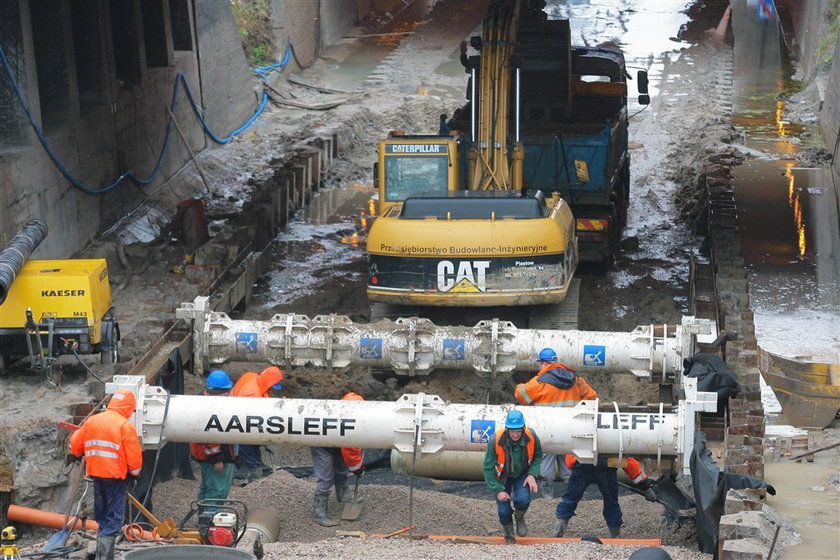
412 166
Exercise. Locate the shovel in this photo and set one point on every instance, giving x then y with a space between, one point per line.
352 510
60 539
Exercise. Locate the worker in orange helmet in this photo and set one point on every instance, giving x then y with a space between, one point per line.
251 384
555 384
332 465
112 454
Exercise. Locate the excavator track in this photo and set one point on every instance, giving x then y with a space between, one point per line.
559 316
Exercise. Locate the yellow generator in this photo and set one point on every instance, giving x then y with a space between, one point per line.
57 307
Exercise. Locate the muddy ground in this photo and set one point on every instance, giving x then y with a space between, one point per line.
672 141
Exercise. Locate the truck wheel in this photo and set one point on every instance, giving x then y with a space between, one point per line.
110 345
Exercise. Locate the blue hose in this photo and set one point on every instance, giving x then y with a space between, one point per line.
261 70
179 78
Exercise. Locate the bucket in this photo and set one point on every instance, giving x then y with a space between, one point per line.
188 552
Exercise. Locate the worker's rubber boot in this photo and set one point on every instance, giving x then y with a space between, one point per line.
507 531
255 473
342 491
547 489
615 532
321 517
560 527
105 547
521 527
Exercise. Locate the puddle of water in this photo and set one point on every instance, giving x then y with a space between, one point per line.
761 76
805 496
308 252
788 220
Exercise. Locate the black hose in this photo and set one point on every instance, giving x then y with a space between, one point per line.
17 251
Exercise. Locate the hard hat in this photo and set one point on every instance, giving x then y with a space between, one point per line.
547 355
218 379
514 420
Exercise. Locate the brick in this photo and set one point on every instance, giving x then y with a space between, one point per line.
744 549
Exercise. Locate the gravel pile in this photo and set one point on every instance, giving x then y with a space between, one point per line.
386 509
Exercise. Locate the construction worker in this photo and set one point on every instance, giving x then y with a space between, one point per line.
555 384
251 384
511 465
332 466
112 454
607 480
215 460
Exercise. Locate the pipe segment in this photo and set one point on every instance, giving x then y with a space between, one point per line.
585 430
413 346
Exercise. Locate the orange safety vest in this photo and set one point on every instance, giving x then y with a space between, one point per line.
537 393
352 455
502 465
202 452
109 442
251 384
630 466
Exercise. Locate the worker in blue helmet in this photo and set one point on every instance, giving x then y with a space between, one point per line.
555 384
511 466
216 460
218 383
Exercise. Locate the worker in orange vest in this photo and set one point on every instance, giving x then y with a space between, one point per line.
607 480
251 384
112 454
555 384
511 465
332 465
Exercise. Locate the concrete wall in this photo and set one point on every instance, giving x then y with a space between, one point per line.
301 23
810 22
125 130
228 86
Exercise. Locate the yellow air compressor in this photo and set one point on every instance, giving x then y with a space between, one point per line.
59 307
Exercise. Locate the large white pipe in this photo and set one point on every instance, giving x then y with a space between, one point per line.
422 422
413 346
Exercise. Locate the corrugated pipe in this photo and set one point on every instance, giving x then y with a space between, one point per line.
17 251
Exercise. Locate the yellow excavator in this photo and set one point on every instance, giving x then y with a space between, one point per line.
456 225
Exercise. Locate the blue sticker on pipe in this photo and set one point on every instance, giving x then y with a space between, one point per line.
246 342
370 348
594 355
454 349
482 431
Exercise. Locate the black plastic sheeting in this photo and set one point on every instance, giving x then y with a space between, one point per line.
714 377
710 488
17 251
173 461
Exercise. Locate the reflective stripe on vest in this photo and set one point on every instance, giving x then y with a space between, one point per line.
101 443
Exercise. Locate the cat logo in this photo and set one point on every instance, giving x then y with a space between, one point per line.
464 276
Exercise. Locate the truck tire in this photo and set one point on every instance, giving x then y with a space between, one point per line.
613 238
624 198
110 344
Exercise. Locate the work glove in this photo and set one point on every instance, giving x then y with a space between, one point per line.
646 486
69 459
359 472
